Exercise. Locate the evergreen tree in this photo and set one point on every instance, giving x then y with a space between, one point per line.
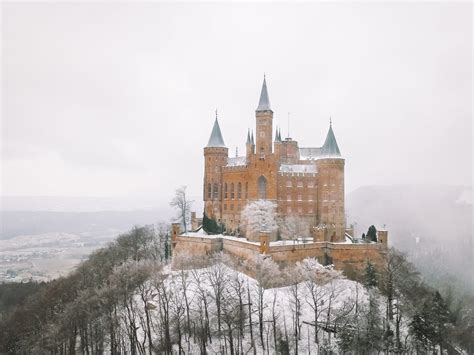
439 318
372 234
370 276
210 225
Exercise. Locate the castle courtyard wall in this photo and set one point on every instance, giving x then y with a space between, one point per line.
346 257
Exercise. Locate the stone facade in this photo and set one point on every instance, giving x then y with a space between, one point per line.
307 182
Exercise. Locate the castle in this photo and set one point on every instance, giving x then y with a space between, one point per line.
307 182
303 182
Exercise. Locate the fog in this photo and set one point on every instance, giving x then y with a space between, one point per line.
118 99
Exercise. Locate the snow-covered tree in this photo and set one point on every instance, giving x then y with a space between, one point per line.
293 227
258 215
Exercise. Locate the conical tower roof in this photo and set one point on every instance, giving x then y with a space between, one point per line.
216 140
248 137
330 147
264 103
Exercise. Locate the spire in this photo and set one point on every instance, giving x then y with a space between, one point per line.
330 147
264 103
277 136
253 142
248 137
216 140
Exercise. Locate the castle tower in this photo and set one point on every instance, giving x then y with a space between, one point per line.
264 117
331 189
215 157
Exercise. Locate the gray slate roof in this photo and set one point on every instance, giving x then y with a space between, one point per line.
216 140
330 147
264 103
310 153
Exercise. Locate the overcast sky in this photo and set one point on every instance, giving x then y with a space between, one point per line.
118 99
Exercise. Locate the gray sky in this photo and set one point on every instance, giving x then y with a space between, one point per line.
118 99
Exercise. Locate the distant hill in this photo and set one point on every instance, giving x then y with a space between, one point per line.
24 215
433 224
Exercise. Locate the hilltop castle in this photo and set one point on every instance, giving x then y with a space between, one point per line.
303 182
307 182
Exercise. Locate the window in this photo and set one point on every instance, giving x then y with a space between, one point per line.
209 191
288 197
262 134
246 190
300 210
225 190
310 184
310 209
262 153
288 210
215 192
232 195
262 187
239 191
299 184
300 198
238 207
288 183
231 207
310 197
225 206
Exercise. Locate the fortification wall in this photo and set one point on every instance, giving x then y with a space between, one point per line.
240 249
195 246
351 258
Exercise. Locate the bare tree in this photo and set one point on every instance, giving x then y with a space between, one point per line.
258 214
293 227
183 205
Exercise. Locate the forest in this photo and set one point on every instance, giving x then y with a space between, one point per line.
131 297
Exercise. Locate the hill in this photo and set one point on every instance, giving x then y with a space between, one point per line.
127 298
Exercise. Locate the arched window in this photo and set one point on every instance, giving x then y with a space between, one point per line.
209 191
225 190
215 191
246 190
262 187
239 191
232 195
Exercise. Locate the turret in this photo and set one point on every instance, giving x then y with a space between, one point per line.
249 146
277 143
330 168
264 116
215 158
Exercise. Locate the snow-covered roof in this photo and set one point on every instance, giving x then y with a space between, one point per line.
264 103
310 153
297 168
237 161
216 140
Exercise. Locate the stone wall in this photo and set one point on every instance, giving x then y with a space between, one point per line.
195 246
351 258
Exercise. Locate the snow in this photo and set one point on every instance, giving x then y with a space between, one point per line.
298 168
237 161
309 153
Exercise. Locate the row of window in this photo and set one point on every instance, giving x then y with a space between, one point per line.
229 190
310 184
236 190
